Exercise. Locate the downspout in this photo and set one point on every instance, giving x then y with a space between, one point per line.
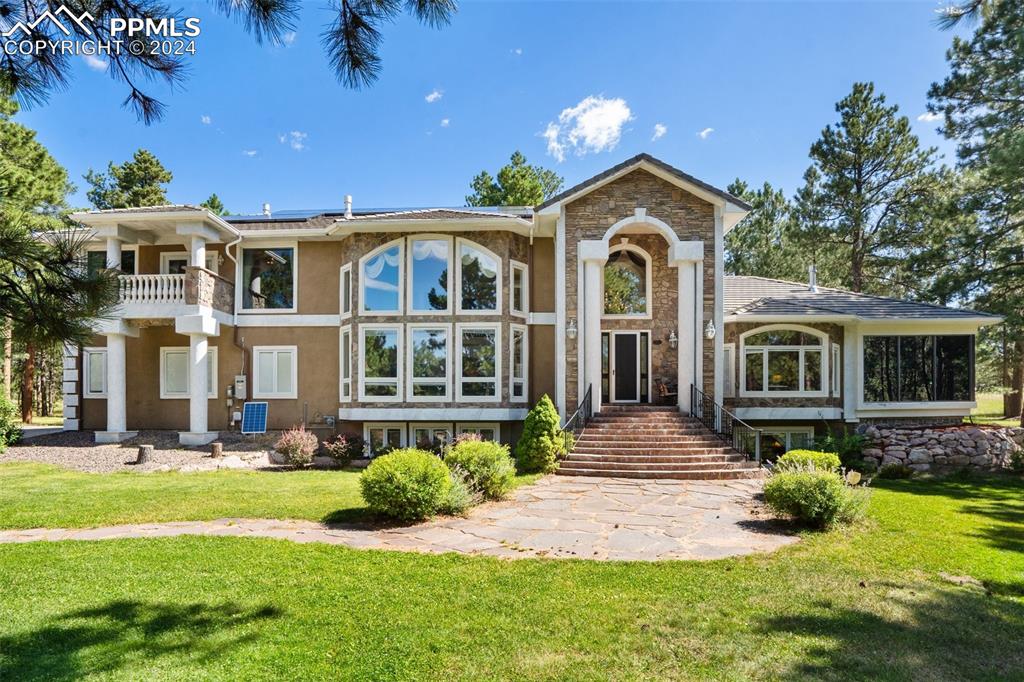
238 341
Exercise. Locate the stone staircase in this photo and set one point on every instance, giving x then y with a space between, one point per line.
641 441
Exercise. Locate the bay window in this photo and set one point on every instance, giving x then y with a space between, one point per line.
428 363
381 347
268 279
429 263
479 363
910 369
783 361
380 280
479 279
518 354
275 370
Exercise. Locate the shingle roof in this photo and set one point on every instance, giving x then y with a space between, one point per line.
299 220
165 208
644 157
435 214
762 296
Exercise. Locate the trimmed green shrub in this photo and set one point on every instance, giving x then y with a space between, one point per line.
297 446
800 459
895 471
817 498
10 432
488 465
407 484
541 441
461 496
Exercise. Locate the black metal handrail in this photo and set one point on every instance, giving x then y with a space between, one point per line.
575 424
740 435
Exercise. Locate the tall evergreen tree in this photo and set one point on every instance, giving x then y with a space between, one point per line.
215 205
518 184
763 243
137 182
869 190
33 180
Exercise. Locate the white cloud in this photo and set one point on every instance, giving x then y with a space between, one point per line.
659 131
94 62
929 117
434 96
445 122
706 133
296 139
288 38
593 125
205 120
249 152
517 51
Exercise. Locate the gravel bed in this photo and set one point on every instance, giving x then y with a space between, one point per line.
78 450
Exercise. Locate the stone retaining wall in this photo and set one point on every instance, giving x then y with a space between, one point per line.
926 448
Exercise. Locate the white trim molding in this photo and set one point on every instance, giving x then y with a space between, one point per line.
412 380
524 273
514 329
91 354
394 243
460 329
769 413
823 351
275 394
211 359
345 368
433 414
240 285
396 381
498 303
345 300
410 279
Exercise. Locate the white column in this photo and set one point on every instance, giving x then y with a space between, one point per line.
686 332
114 253
592 271
198 399
198 251
116 388
698 326
849 380
560 316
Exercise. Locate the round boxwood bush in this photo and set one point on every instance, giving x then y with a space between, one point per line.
487 464
817 498
408 484
807 459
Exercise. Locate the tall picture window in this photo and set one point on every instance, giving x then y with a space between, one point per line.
380 280
381 348
518 359
913 369
429 262
479 279
268 279
479 363
428 363
627 282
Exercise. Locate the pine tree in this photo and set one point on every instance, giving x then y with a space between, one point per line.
518 184
137 182
540 443
763 243
215 205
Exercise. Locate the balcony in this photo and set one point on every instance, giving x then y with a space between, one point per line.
169 296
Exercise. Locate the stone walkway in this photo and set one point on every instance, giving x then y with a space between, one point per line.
559 516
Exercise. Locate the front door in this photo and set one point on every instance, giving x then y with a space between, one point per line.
625 367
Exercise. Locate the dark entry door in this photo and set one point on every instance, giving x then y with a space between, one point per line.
626 379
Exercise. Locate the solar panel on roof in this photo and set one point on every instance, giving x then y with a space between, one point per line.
254 418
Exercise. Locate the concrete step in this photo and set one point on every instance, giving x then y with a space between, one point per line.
639 409
649 439
570 465
691 475
666 459
654 450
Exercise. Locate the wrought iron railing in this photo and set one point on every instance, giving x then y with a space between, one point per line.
741 436
575 424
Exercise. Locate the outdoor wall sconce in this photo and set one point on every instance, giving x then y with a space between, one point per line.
709 330
571 329
673 340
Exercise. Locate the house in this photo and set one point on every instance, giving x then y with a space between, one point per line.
404 325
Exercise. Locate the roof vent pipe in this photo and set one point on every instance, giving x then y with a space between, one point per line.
348 207
266 210
812 279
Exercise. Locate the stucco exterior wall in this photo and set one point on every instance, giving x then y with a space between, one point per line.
590 216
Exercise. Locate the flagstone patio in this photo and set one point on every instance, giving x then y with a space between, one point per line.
562 517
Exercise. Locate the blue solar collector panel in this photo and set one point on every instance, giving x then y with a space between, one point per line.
254 418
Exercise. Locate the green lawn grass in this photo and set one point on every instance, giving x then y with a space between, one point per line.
867 603
990 411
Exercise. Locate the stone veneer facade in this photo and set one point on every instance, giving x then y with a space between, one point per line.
692 219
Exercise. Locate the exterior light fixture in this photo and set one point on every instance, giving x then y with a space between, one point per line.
673 340
709 330
571 329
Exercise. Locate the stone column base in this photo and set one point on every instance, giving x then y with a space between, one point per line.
114 436
197 438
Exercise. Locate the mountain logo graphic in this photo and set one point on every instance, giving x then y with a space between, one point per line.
52 18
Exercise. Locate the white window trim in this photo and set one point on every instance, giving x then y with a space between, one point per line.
433 426
512 329
400 386
402 428
342 381
525 269
124 247
409 272
476 426
211 358
729 370
822 349
470 326
910 407
787 432
263 395
836 379
647 279
411 379
345 270
167 256
87 354
400 243
457 255
240 285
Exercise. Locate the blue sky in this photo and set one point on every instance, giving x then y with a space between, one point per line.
761 79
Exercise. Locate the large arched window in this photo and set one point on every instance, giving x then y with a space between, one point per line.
380 280
781 360
627 282
479 277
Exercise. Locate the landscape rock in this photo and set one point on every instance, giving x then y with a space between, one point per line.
967 445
